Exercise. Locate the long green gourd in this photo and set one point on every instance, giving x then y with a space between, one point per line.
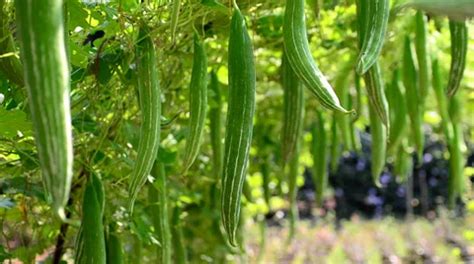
320 153
459 45
46 71
293 110
378 12
456 184
197 103
150 106
354 134
378 105
412 95
239 125
114 247
422 54
90 242
341 85
378 147
403 164
376 92
355 103
450 129
300 58
158 197
442 102
398 112
10 66
373 76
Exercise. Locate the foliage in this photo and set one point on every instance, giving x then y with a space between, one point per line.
106 119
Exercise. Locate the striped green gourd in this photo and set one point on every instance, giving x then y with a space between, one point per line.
377 13
10 66
158 197
412 95
300 58
452 133
376 93
150 106
455 9
90 242
114 247
398 112
341 84
215 123
46 71
293 110
354 134
180 255
422 55
456 184
403 162
373 76
197 103
239 125
459 47
319 151
378 147
442 101
378 106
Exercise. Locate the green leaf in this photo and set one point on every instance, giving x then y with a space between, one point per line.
214 4
3 254
12 122
77 15
166 156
